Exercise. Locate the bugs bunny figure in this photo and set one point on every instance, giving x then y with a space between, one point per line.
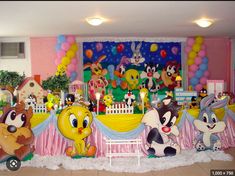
136 58
208 124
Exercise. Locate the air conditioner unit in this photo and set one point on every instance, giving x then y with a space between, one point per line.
12 50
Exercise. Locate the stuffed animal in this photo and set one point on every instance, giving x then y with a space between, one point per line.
149 74
69 100
162 122
136 58
16 136
168 75
208 124
74 123
129 98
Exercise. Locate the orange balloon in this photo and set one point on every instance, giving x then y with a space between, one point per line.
89 53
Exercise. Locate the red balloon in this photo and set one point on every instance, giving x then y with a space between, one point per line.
163 53
120 47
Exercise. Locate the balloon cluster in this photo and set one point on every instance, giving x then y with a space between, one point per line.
197 62
66 60
118 48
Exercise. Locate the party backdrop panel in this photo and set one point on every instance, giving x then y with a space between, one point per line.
123 66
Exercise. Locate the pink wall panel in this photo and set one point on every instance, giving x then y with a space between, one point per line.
43 55
219 55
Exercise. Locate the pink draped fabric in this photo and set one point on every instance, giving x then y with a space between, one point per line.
51 142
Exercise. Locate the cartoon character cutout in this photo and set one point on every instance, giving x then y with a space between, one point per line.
169 73
132 77
149 74
97 70
74 123
208 124
129 98
162 122
16 136
108 100
137 57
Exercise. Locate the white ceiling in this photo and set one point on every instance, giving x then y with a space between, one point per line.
140 18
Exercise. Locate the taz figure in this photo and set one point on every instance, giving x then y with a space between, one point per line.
169 73
16 136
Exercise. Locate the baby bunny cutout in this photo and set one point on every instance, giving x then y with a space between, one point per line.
208 124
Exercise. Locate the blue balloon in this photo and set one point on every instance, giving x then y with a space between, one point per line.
73 75
61 38
199 74
114 50
194 81
203 67
58 47
204 60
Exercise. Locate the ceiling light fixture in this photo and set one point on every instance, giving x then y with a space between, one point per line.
204 22
95 21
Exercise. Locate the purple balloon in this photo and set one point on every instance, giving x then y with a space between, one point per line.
74 61
174 50
99 46
198 87
188 49
203 80
206 73
60 54
71 39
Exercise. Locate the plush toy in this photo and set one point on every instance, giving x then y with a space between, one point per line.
168 75
74 123
108 100
149 74
69 100
132 77
129 98
162 122
137 57
16 136
208 124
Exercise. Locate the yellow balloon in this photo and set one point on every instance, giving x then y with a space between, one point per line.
153 47
70 53
61 68
199 40
192 55
74 47
196 47
190 62
65 60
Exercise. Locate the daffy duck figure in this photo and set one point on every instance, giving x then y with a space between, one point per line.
69 100
202 93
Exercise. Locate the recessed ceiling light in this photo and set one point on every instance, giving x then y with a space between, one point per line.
95 21
204 22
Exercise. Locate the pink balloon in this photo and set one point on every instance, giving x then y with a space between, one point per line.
74 67
198 60
198 87
203 80
68 73
71 39
202 53
65 46
74 61
190 74
99 46
206 73
188 49
70 67
193 68
190 41
60 54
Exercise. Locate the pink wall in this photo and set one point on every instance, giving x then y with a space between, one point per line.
43 55
219 55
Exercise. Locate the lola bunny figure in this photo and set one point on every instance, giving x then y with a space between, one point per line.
208 124
136 58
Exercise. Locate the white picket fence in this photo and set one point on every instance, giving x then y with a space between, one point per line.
39 108
120 108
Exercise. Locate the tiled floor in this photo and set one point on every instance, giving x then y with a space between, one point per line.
198 169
